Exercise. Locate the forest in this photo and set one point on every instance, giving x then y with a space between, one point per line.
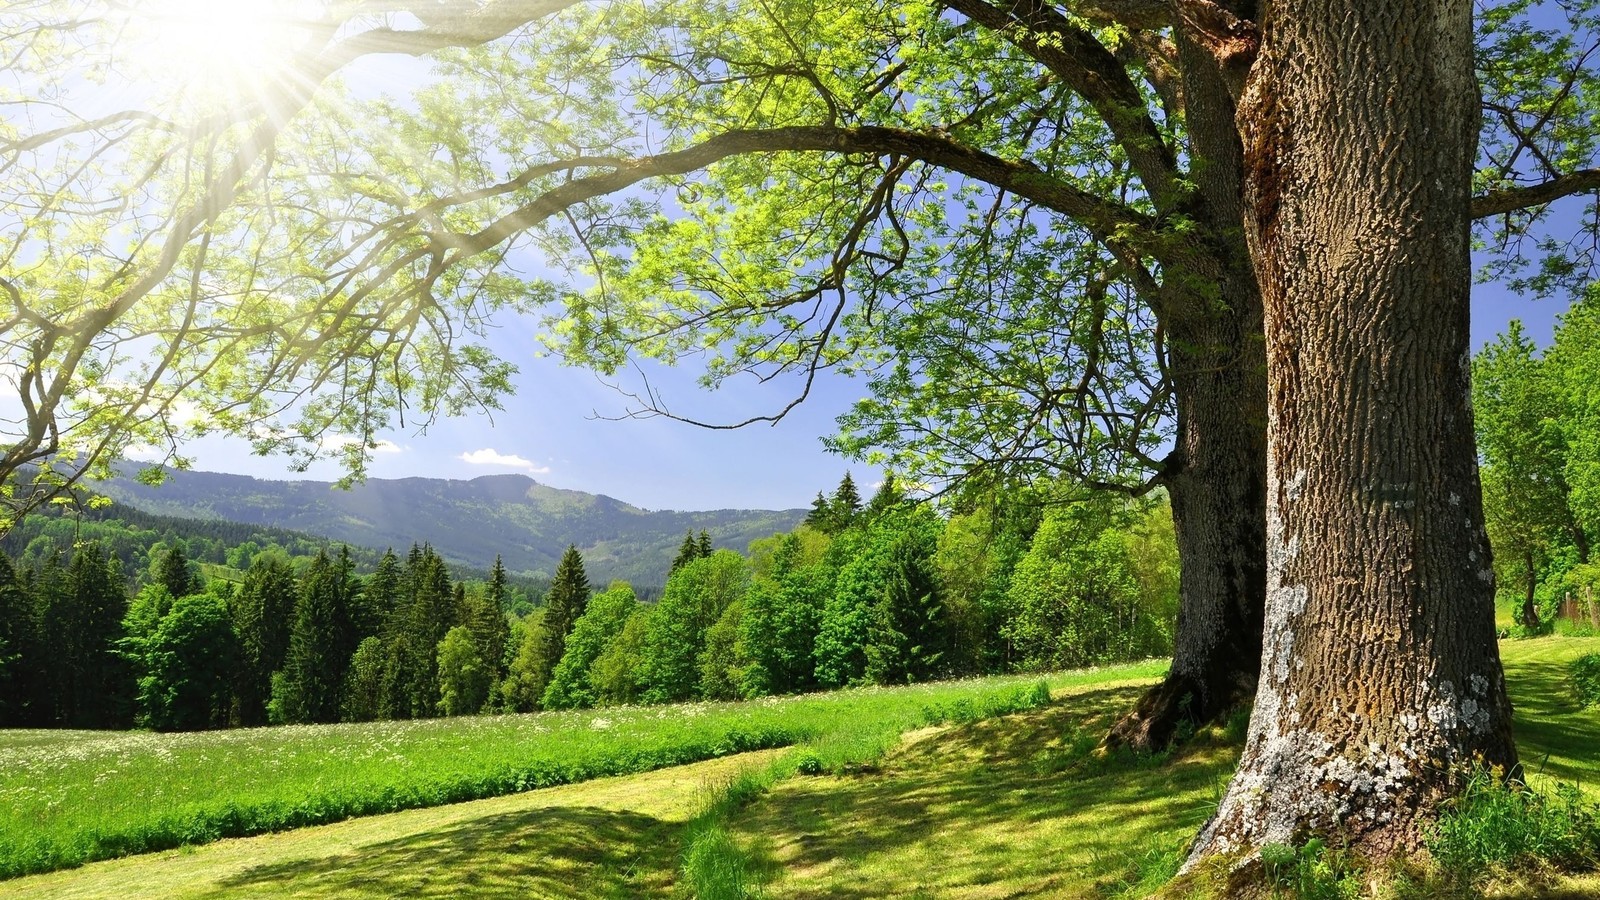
886 591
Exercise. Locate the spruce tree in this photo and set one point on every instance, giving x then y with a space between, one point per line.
888 498
821 515
313 674
486 618
263 613
846 503
564 604
704 546
17 636
688 552
102 689
173 571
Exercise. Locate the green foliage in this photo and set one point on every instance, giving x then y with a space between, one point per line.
723 662
263 611
173 571
464 677
363 687
1495 825
188 667
615 673
314 669
1077 595
695 597
524 684
571 684
1311 871
1584 674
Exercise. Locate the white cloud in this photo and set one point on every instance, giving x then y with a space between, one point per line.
489 456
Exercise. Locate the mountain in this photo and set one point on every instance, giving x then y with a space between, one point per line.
527 523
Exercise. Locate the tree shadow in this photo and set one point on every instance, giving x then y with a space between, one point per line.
1556 735
986 807
549 852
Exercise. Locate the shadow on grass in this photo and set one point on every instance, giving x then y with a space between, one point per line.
551 852
1555 735
990 808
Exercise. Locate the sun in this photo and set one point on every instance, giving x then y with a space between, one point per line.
218 49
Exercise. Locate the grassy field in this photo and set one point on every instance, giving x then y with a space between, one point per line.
1014 806
70 797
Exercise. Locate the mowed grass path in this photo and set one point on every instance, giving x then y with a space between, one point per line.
1018 807
610 837
71 797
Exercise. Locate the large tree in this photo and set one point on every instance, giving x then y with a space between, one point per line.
1381 680
1023 220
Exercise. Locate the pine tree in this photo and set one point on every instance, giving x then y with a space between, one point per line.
411 675
688 552
704 547
846 503
888 498
17 636
263 613
172 570
821 515
101 694
313 674
486 617
564 604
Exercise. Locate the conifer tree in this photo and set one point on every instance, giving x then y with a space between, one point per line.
888 497
263 613
101 689
821 515
564 604
704 546
308 688
172 570
846 503
688 552
411 677
486 618
17 636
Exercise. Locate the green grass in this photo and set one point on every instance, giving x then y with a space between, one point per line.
71 797
1019 806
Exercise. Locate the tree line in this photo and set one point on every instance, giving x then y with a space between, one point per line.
1538 428
885 592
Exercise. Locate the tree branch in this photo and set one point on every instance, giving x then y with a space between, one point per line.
1495 203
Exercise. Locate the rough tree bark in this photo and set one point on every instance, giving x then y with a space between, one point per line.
1216 476
1380 675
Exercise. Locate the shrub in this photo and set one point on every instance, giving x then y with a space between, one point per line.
1584 673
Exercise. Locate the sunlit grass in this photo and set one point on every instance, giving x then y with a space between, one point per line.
70 797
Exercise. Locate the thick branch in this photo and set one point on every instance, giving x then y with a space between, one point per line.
1111 221
1496 203
1091 70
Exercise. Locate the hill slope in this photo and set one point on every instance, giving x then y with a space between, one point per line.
526 523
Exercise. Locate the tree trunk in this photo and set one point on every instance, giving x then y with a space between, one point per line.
1217 473
1530 610
1380 675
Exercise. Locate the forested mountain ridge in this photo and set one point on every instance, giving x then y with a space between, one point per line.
526 523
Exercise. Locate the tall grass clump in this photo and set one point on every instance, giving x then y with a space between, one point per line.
1497 827
72 797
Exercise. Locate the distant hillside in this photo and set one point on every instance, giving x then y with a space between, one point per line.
527 523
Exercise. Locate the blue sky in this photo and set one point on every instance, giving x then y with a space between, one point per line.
549 431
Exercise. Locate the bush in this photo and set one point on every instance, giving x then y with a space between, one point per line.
1584 673
1502 826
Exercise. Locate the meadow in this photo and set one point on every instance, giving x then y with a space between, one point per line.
71 797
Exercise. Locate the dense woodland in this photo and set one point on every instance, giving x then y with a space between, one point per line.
883 592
